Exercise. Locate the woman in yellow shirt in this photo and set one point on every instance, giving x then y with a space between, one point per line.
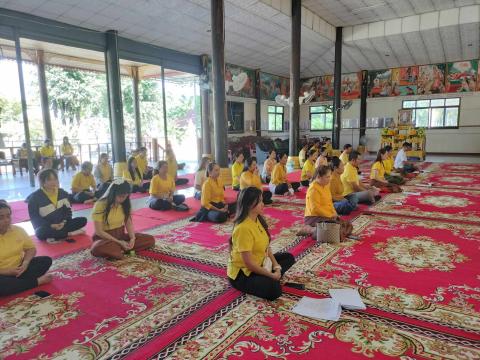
103 174
389 167
20 269
302 155
343 205
279 185
268 166
200 177
237 169
377 174
162 191
173 166
134 176
83 185
308 168
322 159
319 205
67 153
114 234
47 151
252 266
142 163
214 208
250 177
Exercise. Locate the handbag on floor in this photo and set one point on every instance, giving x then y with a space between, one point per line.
328 232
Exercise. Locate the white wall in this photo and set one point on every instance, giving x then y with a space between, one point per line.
462 140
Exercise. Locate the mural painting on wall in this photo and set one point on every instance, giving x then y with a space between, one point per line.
404 81
273 85
462 76
431 79
351 86
380 83
239 81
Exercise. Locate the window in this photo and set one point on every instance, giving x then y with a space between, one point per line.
235 115
434 113
321 118
379 122
275 118
350 123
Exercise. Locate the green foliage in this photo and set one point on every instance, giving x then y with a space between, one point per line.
9 110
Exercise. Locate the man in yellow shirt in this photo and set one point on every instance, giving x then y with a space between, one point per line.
308 168
351 182
83 185
347 149
47 151
20 270
237 169
162 191
142 163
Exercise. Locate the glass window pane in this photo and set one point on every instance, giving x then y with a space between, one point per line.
437 102
316 122
453 101
423 103
316 109
421 117
346 124
271 122
451 116
329 121
408 104
437 117
280 109
271 109
279 121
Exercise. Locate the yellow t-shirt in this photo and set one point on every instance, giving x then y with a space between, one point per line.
279 174
248 179
336 187
388 165
350 175
212 191
172 165
53 197
105 172
378 166
83 182
344 158
162 187
237 169
12 246
308 167
329 149
23 153
66 149
116 216
47 151
248 236
128 177
142 163
319 201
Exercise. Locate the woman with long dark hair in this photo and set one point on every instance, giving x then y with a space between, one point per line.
134 176
200 177
250 177
162 191
252 267
114 233
377 174
214 208
237 169
50 211
344 205
279 184
67 153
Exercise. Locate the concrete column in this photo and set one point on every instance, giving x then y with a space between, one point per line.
136 106
42 84
337 85
295 77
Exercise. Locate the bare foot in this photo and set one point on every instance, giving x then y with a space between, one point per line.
44 279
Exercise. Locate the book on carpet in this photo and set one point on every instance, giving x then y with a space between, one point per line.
320 309
411 193
348 298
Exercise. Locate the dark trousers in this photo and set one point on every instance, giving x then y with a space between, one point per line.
281 189
214 215
45 232
160 204
82 196
38 266
260 285
181 181
102 188
347 205
141 188
267 196
305 183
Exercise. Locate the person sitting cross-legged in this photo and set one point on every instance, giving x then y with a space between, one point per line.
252 266
142 163
200 177
401 160
214 208
268 166
322 158
388 164
343 205
83 185
114 232
351 182
103 174
20 269
162 191
50 212
237 169
308 168
279 185
250 177
134 176
377 174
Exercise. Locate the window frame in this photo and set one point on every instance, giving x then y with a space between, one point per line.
243 117
324 112
275 113
430 107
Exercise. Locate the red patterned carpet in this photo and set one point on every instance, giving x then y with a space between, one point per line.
449 167
419 277
470 181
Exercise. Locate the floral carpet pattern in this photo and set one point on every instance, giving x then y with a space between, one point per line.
466 180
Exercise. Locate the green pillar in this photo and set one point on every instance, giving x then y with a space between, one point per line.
42 84
136 105
115 102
